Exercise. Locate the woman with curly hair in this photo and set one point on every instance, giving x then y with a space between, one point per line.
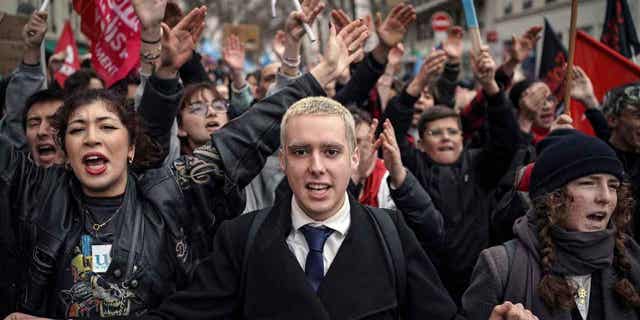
572 258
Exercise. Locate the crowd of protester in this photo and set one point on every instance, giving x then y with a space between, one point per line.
331 190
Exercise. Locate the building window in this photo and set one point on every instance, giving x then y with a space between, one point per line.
527 4
508 7
550 1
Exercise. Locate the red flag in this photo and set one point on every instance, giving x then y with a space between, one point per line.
605 67
67 43
114 31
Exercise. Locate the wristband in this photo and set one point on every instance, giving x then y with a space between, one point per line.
291 63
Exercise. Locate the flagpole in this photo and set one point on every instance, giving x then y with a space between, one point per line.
472 25
43 62
572 48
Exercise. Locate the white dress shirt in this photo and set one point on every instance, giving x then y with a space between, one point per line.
339 223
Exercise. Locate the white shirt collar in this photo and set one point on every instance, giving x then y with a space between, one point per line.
339 222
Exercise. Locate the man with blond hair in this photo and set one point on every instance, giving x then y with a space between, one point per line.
318 253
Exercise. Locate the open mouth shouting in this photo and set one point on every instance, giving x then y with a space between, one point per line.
445 148
46 152
95 163
597 216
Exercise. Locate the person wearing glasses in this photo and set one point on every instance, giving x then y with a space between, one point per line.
459 180
202 112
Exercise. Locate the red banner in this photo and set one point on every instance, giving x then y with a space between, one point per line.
67 43
605 67
114 31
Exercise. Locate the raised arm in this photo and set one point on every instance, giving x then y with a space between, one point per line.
445 87
400 108
390 32
496 155
287 43
582 90
25 81
162 92
233 54
409 196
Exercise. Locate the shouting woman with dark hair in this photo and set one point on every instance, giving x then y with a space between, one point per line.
572 257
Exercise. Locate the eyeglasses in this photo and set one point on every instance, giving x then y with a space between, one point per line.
202 108
439 133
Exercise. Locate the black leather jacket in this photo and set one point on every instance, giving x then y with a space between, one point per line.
170 213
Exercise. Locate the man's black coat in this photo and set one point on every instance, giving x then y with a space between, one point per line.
358 284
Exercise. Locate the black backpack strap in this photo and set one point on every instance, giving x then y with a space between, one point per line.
251 237
392 245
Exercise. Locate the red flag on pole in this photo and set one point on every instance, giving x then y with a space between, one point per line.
67 43
605 67
114 31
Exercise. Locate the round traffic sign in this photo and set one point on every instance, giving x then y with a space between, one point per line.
440 21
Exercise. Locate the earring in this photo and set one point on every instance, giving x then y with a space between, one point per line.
130 160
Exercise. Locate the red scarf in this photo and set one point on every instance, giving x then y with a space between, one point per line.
539 134
369 195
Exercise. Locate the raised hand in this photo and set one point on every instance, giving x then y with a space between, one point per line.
452 45
531 102
522 46
340 51
510 311
33 32
582 88
391 155
56 61
368 154
429 72
178 43
149 12
293 26
392 30
339 19
233 53
33 35
484 68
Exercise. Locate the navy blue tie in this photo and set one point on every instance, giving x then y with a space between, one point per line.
314 266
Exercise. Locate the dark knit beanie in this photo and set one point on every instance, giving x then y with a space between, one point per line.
517 90
571 155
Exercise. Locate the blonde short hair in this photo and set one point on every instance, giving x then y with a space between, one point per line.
320 106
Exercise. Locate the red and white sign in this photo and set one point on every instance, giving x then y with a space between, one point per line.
440 21
67 43
114 31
